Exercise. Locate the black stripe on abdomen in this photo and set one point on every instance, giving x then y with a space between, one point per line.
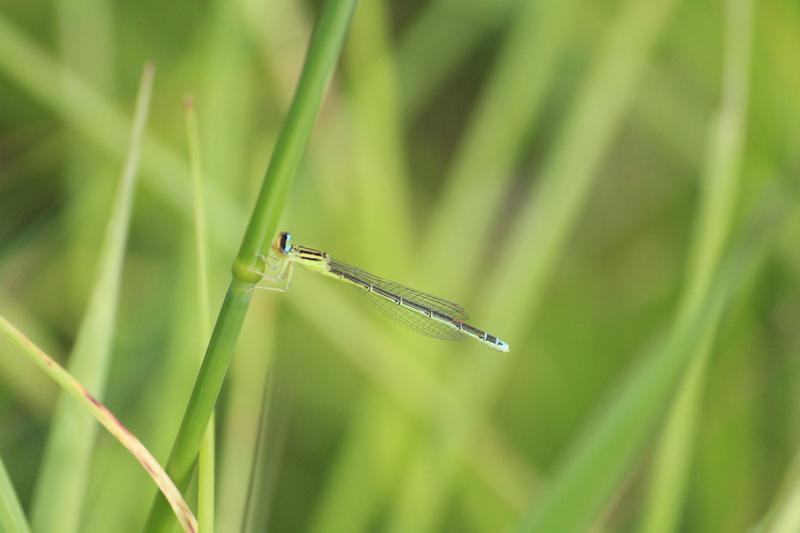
386 294
473 331
417 307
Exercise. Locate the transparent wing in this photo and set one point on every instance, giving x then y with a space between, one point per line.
412 320
434 302
405 316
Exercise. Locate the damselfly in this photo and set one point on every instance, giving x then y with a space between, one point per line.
423 313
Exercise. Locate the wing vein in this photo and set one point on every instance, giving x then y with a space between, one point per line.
408 317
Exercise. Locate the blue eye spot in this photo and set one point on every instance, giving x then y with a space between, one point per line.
286 242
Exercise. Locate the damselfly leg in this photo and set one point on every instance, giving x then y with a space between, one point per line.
277 274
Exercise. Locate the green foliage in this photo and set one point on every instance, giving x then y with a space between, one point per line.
12 517
323 53
583 177
64 472
82 399
720 187
206 460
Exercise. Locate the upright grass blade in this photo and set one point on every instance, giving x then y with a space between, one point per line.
615 441
60 491
120 495
90 405
12 518
714 221
323 52
205 472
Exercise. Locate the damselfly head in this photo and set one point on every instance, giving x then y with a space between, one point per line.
285 242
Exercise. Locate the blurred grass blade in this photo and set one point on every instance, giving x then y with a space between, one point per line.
120 495
88 22
205 471
226 158
86 168
613 443
474 190
235 29
483 169
12 518
346 505
248 379
714 221
363 472
62 482
426 59
26 385
273 426
784 515
535 242
93 115
92 407
323 53
381 180
553 205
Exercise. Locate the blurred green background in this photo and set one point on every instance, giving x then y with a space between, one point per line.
555 166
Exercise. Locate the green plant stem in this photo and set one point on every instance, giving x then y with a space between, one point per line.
323 52
204 397
326 44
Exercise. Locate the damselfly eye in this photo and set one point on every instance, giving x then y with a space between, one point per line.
285 242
